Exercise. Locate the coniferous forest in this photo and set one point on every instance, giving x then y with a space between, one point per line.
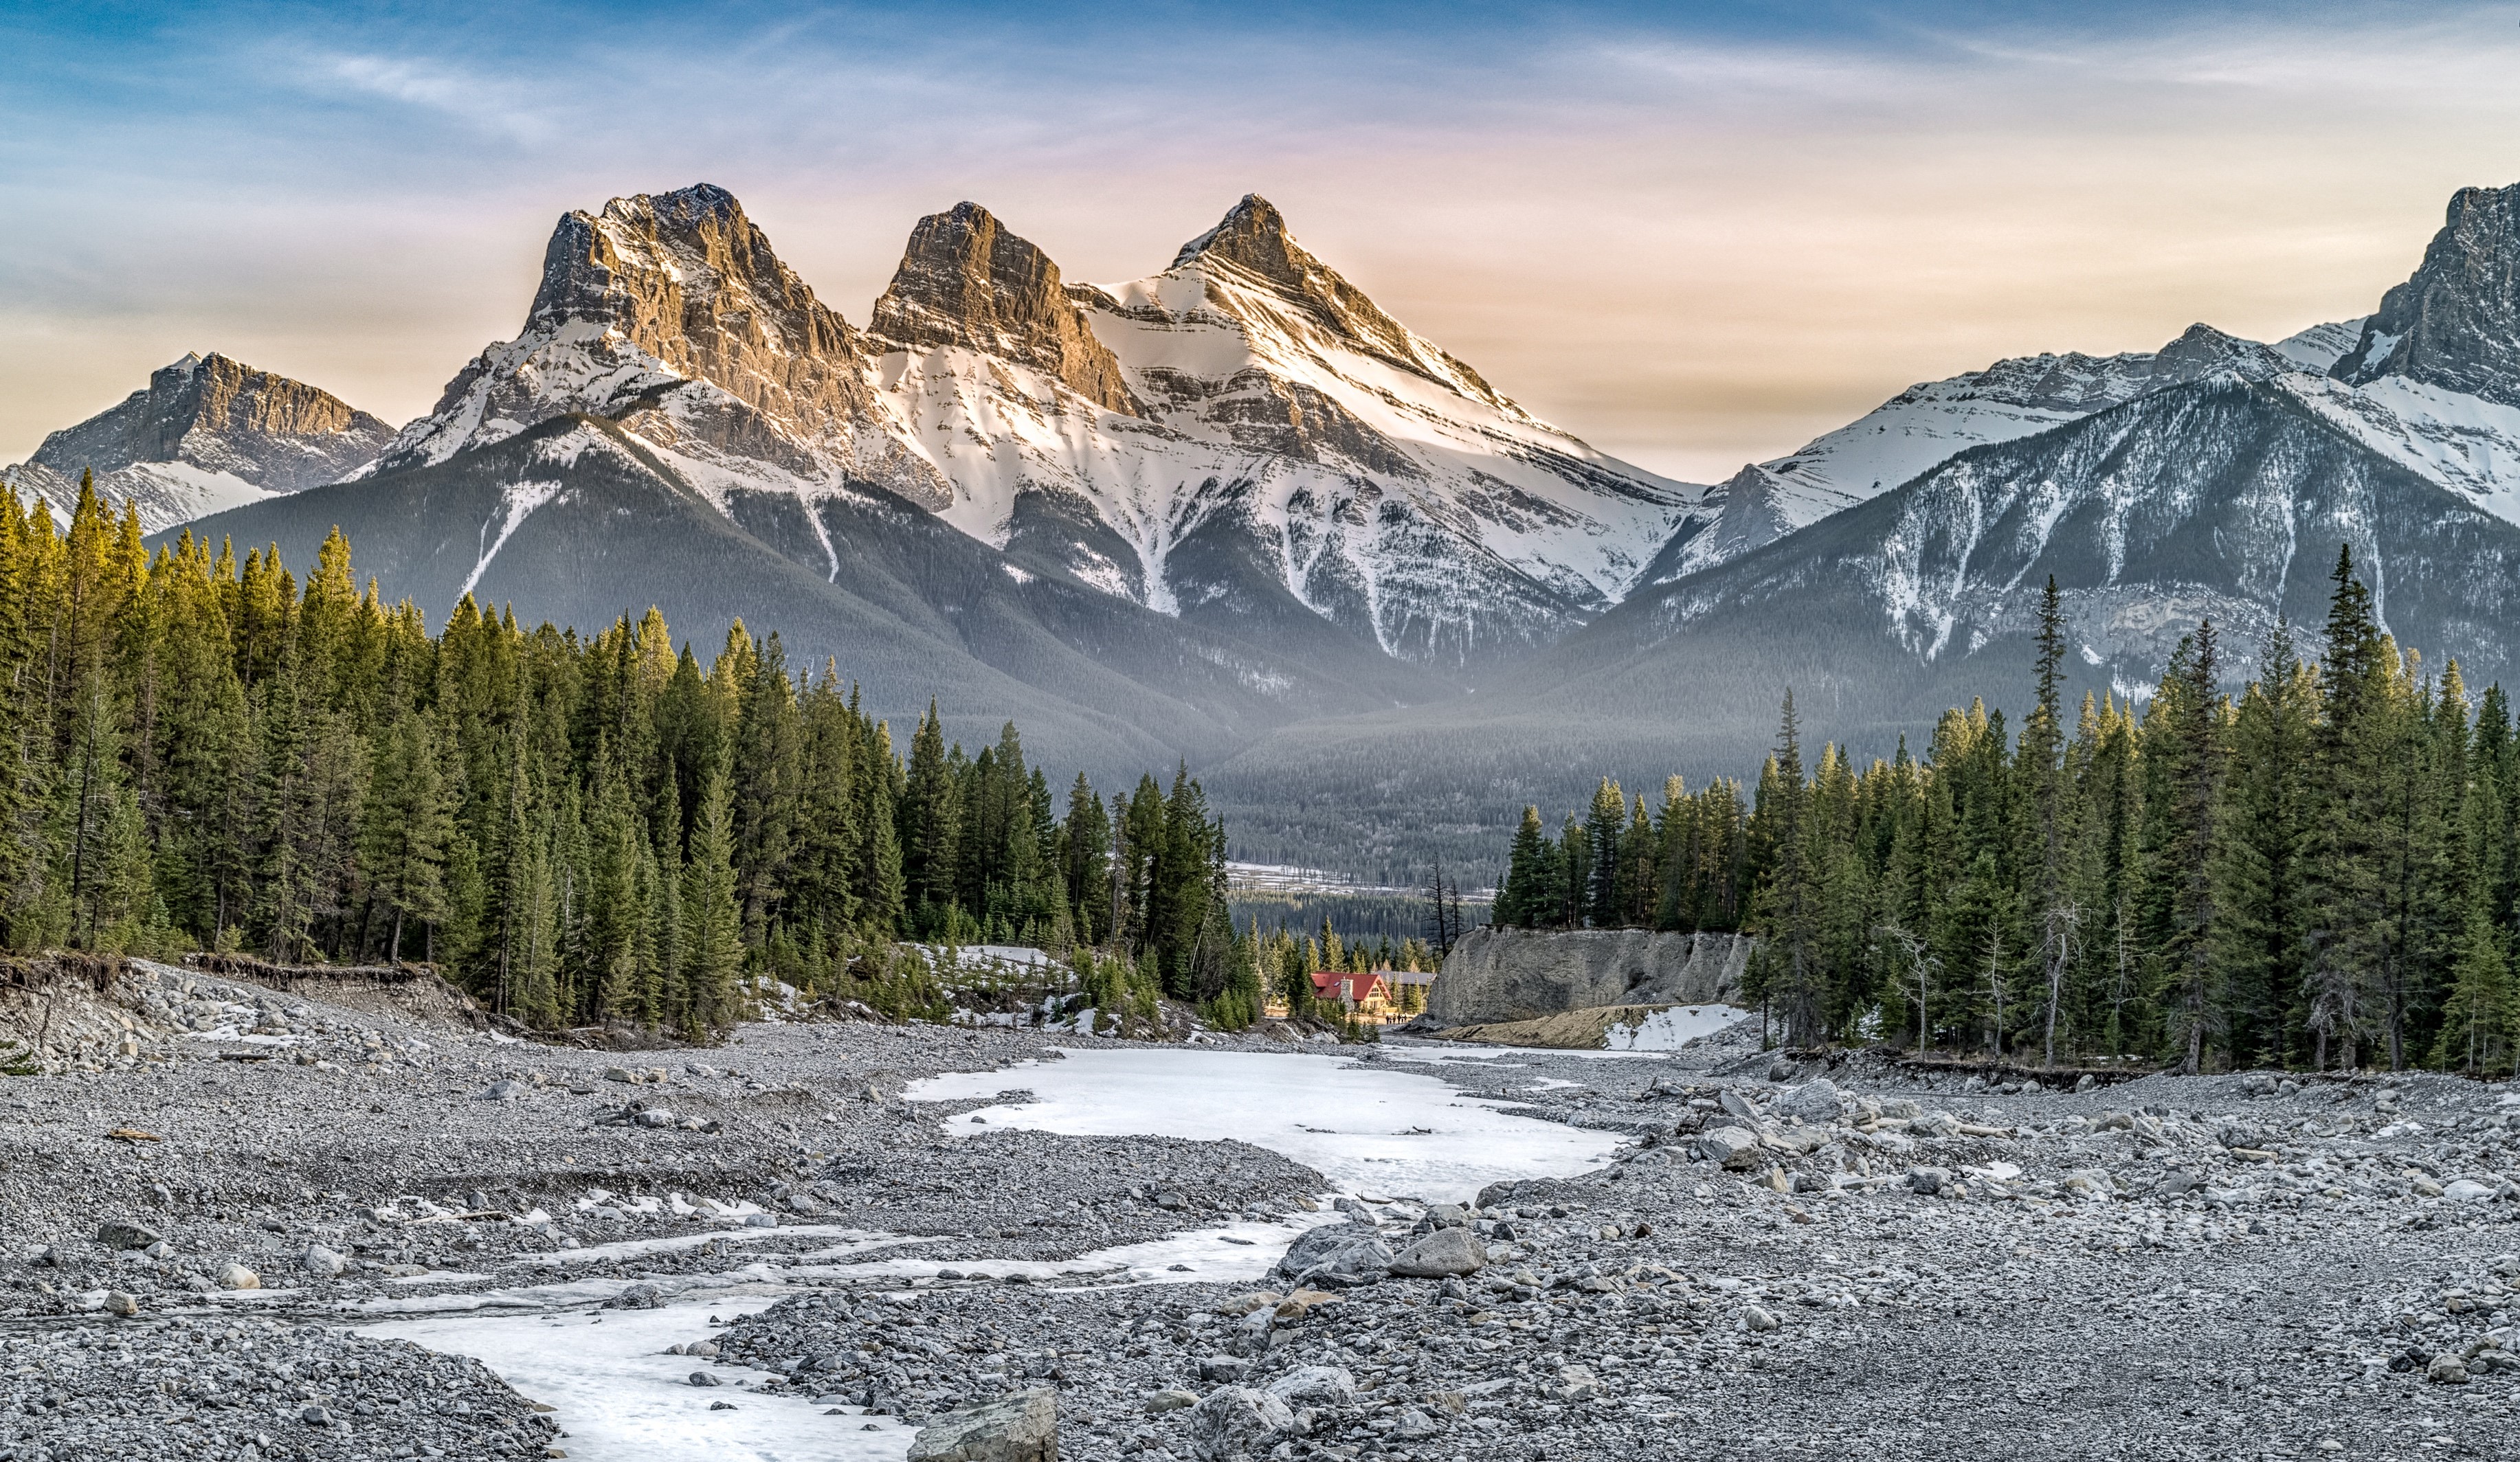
2318 872
575 828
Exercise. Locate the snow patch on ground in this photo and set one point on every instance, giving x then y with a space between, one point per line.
622 1400
1390 1132
1670 1030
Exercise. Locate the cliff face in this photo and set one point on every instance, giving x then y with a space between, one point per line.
1520 974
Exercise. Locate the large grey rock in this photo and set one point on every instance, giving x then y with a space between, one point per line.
1316 1385
1733 1146
1501 974
126 1233
1440 1254
1336 1255
1812 1101
1234 1422
1021 1428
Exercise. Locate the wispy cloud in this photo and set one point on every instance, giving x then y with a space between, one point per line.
490 103
1695 231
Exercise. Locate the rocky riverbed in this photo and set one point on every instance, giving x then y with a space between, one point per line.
768 1249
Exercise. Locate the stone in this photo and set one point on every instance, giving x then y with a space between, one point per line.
1736 1103
1171 1202
1443 1252
324 1263
1813 1101
1338 1255
236 1277
1416 1424
703 1379
620 1074
510 1090
1574 1383
2447 1369
126 1233
1021 1428
118 1303
1316 1385
1736 1147
1928 1180
2466 1191
1755 1318
1173 1400
1236 1423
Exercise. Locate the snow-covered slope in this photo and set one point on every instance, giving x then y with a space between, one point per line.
2431 380
206 435
1309 449
1934 421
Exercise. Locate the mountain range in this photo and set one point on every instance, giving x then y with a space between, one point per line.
1235 513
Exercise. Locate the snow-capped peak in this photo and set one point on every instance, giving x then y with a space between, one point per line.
207 433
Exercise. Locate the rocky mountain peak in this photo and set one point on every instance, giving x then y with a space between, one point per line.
687 278
671 316
1252 246
2455 322
205 430
2201 350
965 281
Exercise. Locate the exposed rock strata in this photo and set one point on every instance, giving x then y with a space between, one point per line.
1502 974
965 281
206 433
2455 322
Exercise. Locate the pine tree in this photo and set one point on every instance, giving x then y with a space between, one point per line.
711 944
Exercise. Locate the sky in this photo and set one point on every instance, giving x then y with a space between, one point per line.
1695 235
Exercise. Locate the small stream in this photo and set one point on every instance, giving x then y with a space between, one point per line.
1370 1131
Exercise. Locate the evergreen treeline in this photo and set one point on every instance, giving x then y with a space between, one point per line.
209 752
2320 871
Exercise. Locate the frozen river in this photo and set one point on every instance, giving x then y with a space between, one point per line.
1367 1130
1364 1130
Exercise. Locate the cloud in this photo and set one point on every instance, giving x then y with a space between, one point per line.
490 103
1693 237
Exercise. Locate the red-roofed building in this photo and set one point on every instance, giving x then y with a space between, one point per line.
1366 993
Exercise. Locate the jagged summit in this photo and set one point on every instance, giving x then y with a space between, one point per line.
1252 248
2455 323
965 281
1254 235
207 433
670 315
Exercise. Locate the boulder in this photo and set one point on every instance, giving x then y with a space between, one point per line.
1928 1180
324 1263
1316 1385
126 1233
1814 1101
1337 1256
236 1277
1444 1253
1021 1428
1733 1146
1235 1424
